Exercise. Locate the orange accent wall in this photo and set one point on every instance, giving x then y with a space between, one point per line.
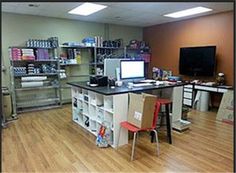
165 41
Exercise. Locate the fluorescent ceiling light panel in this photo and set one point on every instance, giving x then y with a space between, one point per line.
87 8
188 12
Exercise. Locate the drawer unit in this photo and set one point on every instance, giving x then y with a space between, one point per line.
188 95
188 102
188 90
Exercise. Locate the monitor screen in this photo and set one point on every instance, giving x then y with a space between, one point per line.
197 61
130 69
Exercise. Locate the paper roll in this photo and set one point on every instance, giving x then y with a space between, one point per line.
31 84
34 78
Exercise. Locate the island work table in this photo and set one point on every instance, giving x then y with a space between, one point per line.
93 106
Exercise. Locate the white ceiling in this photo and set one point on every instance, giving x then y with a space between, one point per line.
124 13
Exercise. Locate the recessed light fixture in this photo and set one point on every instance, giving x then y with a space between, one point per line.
87 8
188 12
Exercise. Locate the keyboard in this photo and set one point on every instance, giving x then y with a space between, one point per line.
142 84
148 81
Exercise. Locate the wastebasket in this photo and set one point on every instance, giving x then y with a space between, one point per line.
202 101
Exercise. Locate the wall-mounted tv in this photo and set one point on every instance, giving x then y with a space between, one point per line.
197 61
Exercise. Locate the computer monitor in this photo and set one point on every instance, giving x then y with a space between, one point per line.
131 69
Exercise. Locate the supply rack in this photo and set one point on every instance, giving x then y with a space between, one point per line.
88 66
36 97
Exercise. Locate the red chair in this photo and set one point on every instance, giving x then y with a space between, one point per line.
135 130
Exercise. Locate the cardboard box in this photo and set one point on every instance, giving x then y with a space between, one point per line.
141 109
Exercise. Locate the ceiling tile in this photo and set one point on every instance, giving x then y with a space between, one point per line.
129 13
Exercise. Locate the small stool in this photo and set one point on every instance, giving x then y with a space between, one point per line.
166 103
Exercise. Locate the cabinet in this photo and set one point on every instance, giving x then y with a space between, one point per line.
35 80
90 110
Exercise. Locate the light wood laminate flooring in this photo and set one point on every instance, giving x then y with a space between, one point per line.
48 141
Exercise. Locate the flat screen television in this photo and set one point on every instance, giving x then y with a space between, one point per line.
197 61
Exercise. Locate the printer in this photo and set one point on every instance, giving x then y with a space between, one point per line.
99 80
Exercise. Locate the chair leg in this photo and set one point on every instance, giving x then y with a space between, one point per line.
158 146
132 154
152 137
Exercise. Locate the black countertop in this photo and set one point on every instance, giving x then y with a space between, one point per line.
120 90
215 86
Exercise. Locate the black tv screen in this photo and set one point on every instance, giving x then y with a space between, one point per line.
197 61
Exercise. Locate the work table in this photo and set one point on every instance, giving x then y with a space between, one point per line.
94 106
106 90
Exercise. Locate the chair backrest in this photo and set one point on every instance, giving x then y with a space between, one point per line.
157 110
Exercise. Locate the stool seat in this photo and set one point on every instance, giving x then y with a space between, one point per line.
164 101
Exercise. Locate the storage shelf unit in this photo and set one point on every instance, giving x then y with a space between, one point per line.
97 59
35 97
39 108
102 53
138 53
80 47
39 101
24 47
37 74
94 63
90 110
49 60
95 54
88 66
75 71
36 88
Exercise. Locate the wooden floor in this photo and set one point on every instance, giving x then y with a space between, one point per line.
48 141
